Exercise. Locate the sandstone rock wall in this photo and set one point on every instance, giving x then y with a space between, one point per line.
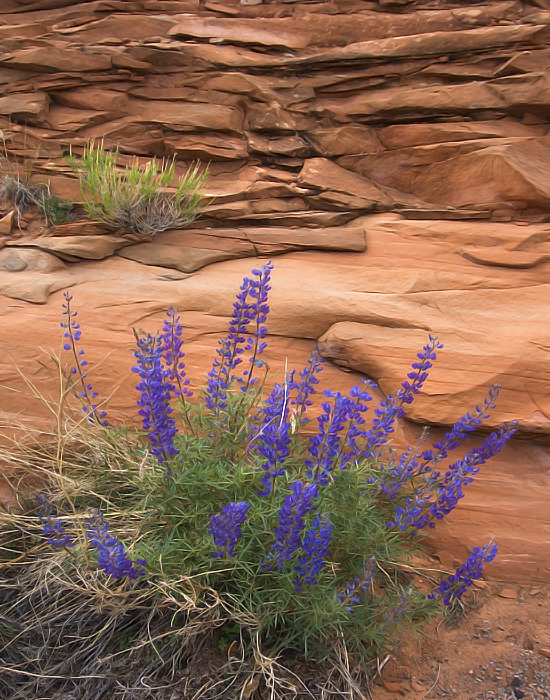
395 155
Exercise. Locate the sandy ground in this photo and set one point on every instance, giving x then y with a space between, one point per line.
497 648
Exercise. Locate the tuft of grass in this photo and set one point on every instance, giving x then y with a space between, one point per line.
136 198
19 192
22 195
17 189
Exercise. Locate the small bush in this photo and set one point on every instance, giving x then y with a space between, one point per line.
135 198
55 210
17 189
226 531
19 192
22 194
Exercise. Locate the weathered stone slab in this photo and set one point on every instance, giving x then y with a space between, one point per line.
28 106
30 259
239 31
184 259
71 247
191 250
326 175
50 59
188 116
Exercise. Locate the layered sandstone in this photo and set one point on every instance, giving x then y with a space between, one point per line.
393 156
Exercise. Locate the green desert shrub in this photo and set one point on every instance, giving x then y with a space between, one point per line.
233 526
136 198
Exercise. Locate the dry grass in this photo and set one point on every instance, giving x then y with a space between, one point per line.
17 190
67 632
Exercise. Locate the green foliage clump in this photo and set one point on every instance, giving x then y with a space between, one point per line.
55 210
136 198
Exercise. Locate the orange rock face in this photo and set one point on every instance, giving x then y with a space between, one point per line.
392 155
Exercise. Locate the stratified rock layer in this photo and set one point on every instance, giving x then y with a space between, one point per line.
394 156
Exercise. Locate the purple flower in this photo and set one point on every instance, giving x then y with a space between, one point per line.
461 428
439 495
350 596
231 348
172 353
457 584
324 446
288 536
420 372
71 335
154 403
333 446
392 408
397 611
272 438
112 559
315 546
225 528
353 441
412 464
51 526
258 290
250 306
394 476
306 387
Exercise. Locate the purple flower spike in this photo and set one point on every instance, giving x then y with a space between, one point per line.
456 585
272 438
225 528
154 403
439 495
324 446
113 559
397 611
231 348
356 433
72 335
420 371
392 408
333 446
306 387
172 353
52 527
316 549
250 307
288 536
258 311
461 428
350 597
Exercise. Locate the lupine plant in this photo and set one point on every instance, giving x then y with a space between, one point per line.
52 527
247 503
112 557
457 584
80 383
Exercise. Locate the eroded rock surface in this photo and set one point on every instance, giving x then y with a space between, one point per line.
392 155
